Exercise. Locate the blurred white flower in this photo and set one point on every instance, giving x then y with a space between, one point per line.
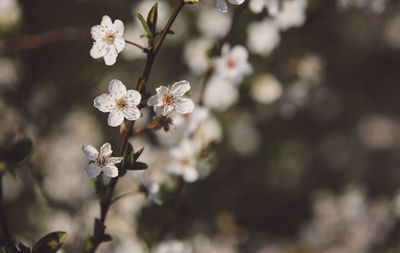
190 122
132 33
310 68
109 40
233 63
292 13
170 99
266 89
207 20
215 244
375 6
213 97
173 246
208 131
8 71
101 162
10 14
184 161
263 37
244 137
195 55
152 189
222 6
119 102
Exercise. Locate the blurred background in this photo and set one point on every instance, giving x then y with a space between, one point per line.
302 156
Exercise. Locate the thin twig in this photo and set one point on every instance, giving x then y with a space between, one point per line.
122 195
149 126
137 45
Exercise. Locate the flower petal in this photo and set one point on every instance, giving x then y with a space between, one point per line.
103 103
110 170
92 170
114 160
162 90
222 6
116 88
155 100
239 53
180 88
184 105
133 97
106 22
97 32
118 27
132 113
236 2
111 56
98 50
90 152
119 44
106 150
190 174
167 109
115 118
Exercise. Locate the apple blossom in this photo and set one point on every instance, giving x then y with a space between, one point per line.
233 63
101 162
263 37
119 102
109 40
171 99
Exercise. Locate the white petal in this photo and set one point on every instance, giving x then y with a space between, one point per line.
106 22
190 174
236 2
118 27
97 32
103 103
132 113
162 90
90 152
116 88
92 170
222 6
155 100
114 160
115 118
158 110
119 44
184 105
167 109
239 53
225 49
180 88
98 50
133 97
106 150
111 56
110 170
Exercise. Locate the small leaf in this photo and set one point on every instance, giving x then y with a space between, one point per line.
137 154
140 166
23 248
152 18
50 243
19 151
106 238
144 24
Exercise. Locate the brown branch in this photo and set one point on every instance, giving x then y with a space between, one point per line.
106 201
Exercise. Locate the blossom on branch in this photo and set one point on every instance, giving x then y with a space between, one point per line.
109 40
223 7
101 162
119 102
169 99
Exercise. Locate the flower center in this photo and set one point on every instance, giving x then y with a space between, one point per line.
185 162
101 161
230 63
121 103
168 99
109 38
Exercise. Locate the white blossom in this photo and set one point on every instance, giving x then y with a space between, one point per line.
170 99
207 20
109 40
233 63
173 246
266 89
292 13
151 188
220 94
119 102
223 7
263 37
101 162
195 55
184 161
190 122
10 14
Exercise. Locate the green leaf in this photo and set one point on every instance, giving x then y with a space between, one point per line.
152 18
137 154
23 249
50 243
140 166
106 238
19 151
145 25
